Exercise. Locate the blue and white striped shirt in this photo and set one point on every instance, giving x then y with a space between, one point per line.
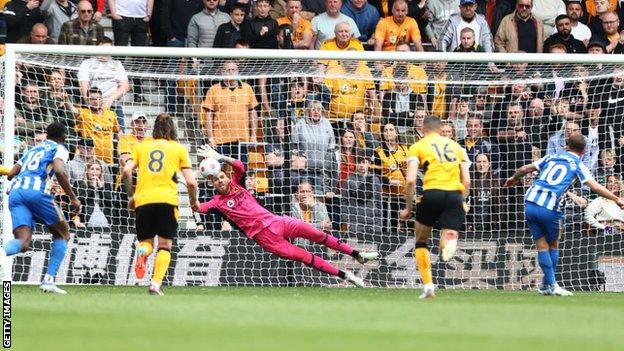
556 173
38 166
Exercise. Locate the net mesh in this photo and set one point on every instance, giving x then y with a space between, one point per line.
301 123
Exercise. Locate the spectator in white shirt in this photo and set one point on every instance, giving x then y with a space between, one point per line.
580 31
604 214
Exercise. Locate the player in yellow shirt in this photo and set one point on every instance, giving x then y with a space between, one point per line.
398 28
156 198
446 183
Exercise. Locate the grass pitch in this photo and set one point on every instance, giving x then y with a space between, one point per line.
319 319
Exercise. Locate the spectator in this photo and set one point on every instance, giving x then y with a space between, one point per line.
547 11
399 104
202 28
476 143
466 18
397 29
230 115
539 124
481 106
522 20
284 37
467 43
484 197
130 22
346 156
343 40
557 143
21 16
38 35
313 138
58 102
99 124
441 93
594 22
175 20
460 118
77 166
594 129
416 74
261 31
605 215
30 115
128 141
416 133
324 25
447 130
312 8
277 159
579 30
229 33
305 207
361 207
606 167
564 36
350 84
83 30
364 138
96 197
441 12
512 138
109 76
610 26
58 12
302 35
365 16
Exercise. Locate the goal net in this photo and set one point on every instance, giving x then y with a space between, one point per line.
324 136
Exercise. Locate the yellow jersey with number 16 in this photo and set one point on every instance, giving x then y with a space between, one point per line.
158 160
439 157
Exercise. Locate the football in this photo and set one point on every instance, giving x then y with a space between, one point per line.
209 167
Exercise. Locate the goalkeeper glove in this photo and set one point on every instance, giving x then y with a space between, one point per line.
206 151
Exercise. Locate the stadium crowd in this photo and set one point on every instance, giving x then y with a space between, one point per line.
318 147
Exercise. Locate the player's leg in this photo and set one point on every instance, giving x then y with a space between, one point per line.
451 220
145 235
423 259
299 229
166 223
23 222
553 253
60 237
536 219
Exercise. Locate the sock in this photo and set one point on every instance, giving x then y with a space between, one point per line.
342 275
545 263
57 253
163 257
13 247
145 248
554 258
322 265
423 261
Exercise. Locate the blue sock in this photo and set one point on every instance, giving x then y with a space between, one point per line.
554 258
13 247
547 267
57 253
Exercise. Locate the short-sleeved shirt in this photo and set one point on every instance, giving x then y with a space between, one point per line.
348 91
105 75
330 44
231 108
304 26
158 160
415 74
127 142
392 33
101 128
324 27
38 166
440 159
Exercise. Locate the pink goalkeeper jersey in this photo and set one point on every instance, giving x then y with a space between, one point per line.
240 207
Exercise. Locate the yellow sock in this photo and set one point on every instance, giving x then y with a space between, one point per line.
145 248
163 257
423 261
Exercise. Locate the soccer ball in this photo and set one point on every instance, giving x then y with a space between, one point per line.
209 167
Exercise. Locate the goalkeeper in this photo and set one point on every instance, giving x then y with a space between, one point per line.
271 231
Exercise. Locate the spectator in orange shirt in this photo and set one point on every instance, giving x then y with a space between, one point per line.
398 28
302 36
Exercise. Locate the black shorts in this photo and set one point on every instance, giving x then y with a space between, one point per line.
156 219
442 208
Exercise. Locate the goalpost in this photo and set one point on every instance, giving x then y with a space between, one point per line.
506 109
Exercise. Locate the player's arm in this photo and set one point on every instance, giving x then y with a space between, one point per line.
11 173
464 168
604 192
410 187
521 172
127 179
191 186
63 180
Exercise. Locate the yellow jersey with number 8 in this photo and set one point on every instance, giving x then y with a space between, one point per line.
158 160
439 158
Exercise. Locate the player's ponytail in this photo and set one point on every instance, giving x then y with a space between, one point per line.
164 127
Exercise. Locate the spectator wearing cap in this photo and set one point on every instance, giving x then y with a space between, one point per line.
547 11
466 18
83 30
365 16
301 33
361 207
98 123
579 30
77 167
398 28
324 25
229 33
564 36
58 12
20 17
128 141
520 30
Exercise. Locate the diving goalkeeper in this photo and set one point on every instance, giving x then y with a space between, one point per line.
271 231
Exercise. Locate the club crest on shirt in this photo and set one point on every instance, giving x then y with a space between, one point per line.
230 203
